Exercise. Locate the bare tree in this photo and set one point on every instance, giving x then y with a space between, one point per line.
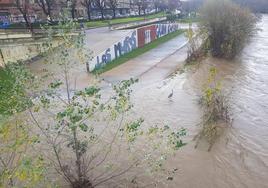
174 4
156 4
139 4
100 4
162 5
88 5
24 7
144 6
46 6
72 4
113 4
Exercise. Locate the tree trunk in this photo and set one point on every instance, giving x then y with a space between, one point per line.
102 15
114 13
88 14
49 13
73 13
156 8
28 23
78 158
139 11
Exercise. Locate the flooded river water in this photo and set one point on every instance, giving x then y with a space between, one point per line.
239 158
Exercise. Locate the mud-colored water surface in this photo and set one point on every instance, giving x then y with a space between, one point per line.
239 158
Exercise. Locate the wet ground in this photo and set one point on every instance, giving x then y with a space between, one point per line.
239 158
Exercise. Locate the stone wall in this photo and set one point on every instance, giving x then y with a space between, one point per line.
21 52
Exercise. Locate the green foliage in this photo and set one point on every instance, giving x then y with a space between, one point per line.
214 101
171 17
189 20
175 139
55 85
228 27
216 109
87 127
17 169
13 86
31 170
133 129
83 133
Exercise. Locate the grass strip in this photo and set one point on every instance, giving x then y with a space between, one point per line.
137 52
189 20
102 23
94 23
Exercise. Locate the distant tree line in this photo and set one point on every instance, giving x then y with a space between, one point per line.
48 7
257 6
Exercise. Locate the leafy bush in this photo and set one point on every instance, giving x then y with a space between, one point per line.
91 135
16 168
13 97
171 17
227 26
216 110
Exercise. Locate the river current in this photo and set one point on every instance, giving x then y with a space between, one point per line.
239 158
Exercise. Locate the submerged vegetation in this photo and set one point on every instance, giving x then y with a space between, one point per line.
216 111
227 27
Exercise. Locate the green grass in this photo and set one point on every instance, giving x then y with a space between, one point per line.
189 20
102 23
137 52
97 23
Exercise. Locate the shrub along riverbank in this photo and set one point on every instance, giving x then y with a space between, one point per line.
137 52
227 26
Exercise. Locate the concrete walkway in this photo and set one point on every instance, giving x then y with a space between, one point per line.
100 39
153 65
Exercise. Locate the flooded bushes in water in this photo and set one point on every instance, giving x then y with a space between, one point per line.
227 26
216 110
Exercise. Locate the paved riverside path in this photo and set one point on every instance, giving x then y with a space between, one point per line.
100 39
153 65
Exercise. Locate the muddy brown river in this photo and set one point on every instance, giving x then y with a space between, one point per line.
239 158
